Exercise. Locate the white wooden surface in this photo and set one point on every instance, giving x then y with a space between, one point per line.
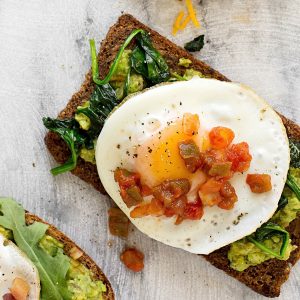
44 54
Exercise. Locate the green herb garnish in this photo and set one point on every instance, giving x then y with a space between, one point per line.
295 154
293 185
268 230
196 44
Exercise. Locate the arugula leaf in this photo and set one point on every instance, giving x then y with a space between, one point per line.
147 61
69 131
295 154
267 230
196 44
102 102
52 270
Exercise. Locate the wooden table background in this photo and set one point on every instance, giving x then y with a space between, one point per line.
44 54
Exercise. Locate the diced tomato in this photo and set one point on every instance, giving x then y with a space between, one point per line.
8 297
146 190
229 196
171 189
240 157
156 208
125 178
139 211
221 169
220 137
190 152
211 186
209 192
177 206
133 259
20 289
118 222
194 210
190 123
259 183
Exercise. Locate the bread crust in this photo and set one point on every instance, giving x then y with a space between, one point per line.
84 259
265 278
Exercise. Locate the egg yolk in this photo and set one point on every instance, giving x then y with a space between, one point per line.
159 159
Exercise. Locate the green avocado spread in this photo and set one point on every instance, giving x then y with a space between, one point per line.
243 253
80 280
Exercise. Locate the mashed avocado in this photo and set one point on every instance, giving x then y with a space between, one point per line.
136 81
190 73
83 120
7 233
79 279
184 62
88 155
243 253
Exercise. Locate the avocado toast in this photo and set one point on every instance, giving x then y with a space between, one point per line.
64 270
266 277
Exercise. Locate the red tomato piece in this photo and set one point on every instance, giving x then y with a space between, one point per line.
177 206
139 211
146 190
131 196
194 210
118 222
20 289
240 157
211 186
220 137
259 183
8 297
156 208
228 195
125 178
190 124
133 259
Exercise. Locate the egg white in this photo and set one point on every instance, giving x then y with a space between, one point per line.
14 263
217 104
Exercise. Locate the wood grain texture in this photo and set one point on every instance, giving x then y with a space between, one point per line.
44 55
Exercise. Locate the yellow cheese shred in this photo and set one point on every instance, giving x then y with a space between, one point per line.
185 22
180 24
192 12
176 25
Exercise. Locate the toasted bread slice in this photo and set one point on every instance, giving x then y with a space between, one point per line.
84 259
265 278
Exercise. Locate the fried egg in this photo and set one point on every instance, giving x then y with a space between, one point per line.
142 135
15 264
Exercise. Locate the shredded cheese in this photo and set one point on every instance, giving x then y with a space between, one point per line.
176 25
180 24
192 12
185 22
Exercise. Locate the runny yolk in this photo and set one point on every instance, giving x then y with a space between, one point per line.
158 158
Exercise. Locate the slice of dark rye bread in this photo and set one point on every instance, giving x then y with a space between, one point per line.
84 259
265 278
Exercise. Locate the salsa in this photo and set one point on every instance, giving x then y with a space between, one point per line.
219 160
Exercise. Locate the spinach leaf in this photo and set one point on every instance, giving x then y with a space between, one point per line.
95 68
196 44
52 270
69 131
147 61
102 102
283 201
293 185
295 154
266 231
